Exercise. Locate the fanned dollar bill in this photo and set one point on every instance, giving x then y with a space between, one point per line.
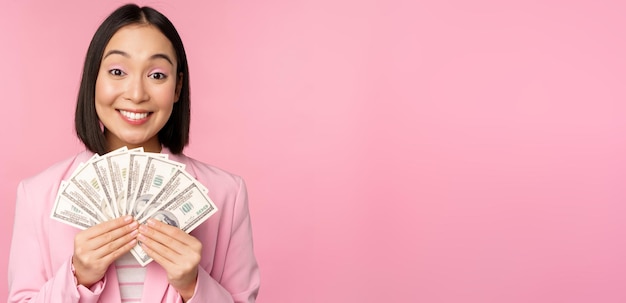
66 211
91 178
106 173
122 182
156 173
187 209
70 193
118 167
136 167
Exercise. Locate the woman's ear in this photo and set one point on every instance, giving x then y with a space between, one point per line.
179 87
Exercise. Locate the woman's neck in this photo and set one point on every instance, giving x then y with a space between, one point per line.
153 145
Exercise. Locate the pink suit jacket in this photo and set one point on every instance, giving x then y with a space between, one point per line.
41 248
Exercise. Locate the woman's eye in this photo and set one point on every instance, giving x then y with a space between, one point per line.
116 72
157 76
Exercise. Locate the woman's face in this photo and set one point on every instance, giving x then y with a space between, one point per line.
136 87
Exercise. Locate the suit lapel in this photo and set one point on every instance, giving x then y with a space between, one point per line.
182 159
155 285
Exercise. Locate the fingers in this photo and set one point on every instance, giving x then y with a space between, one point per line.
107 254
162 230
106 226
163 239
169 242
178 252
111 234
115 244
97 247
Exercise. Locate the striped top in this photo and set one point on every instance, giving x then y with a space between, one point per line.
131 276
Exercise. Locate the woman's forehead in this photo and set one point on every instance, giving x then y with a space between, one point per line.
140 41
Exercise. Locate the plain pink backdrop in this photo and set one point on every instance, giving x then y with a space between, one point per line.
395 151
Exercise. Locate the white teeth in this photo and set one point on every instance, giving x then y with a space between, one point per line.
134 116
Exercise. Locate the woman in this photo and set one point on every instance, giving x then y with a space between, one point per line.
134 92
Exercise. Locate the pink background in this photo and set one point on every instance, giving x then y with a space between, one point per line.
395 151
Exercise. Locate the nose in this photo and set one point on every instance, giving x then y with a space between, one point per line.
136 90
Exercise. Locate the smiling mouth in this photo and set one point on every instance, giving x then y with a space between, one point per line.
133 115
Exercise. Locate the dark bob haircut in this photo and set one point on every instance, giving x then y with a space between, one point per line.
175 134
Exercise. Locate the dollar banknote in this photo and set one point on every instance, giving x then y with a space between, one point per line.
156 174
145 185
117 165
70 193
65 210
187 209
88 178
136 167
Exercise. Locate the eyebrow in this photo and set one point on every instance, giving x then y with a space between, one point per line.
122 53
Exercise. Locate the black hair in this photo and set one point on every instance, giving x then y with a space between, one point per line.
175 133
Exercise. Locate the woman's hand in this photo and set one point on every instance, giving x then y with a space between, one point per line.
100 245
178 252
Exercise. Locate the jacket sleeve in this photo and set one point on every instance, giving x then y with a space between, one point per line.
31 278
240 279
